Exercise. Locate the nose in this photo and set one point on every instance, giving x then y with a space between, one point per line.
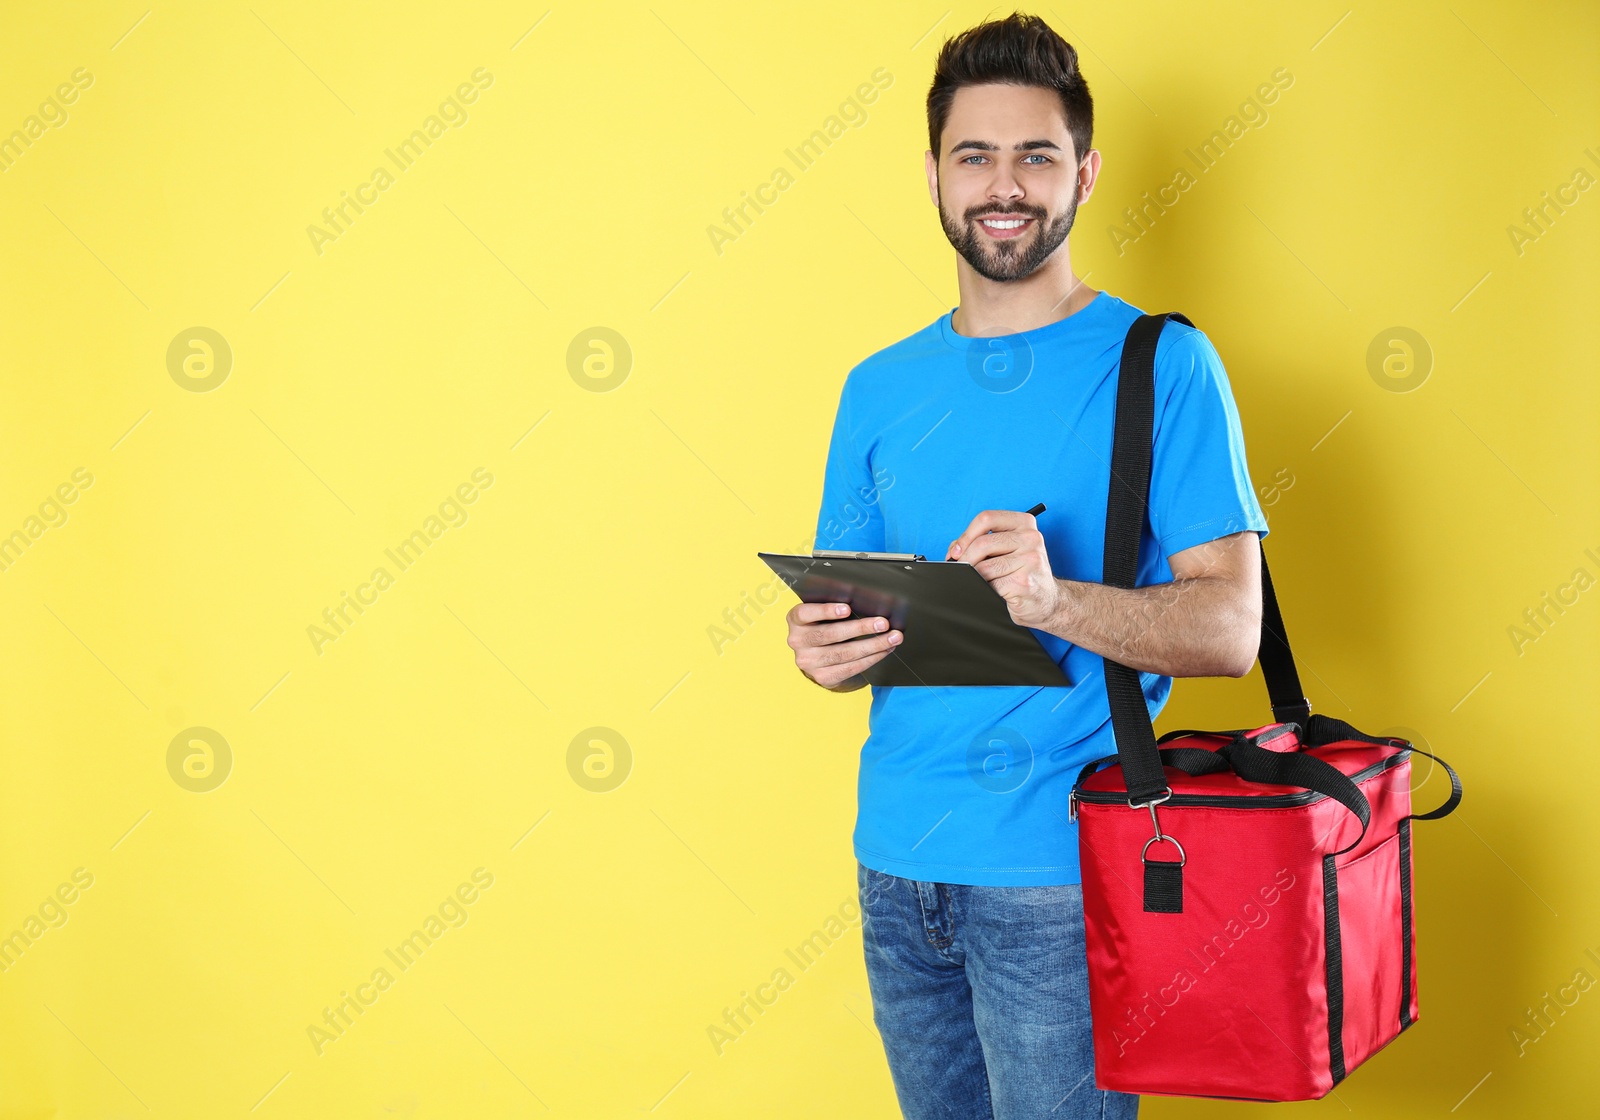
1004 186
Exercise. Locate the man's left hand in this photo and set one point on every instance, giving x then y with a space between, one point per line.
1008 550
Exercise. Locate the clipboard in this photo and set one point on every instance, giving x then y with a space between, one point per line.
957 630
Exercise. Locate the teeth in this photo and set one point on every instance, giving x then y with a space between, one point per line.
1008 224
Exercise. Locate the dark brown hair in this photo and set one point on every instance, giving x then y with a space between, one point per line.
1018 50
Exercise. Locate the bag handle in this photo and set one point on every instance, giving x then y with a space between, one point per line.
1126 507
1450 803
1256 763
1319 776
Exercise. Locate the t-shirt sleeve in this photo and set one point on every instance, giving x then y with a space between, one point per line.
1199 479
851 515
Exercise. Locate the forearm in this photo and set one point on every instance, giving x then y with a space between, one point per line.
1194 627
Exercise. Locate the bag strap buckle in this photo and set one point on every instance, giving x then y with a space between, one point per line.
1151 805
1293 713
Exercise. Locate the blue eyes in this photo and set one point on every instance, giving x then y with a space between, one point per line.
1034 155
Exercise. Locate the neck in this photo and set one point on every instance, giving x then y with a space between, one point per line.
997 307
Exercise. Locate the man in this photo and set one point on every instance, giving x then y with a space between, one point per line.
967 864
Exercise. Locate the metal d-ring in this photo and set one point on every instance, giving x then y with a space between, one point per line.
1183 857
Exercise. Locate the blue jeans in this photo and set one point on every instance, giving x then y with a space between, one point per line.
981 995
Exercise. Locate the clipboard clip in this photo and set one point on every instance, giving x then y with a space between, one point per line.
845 554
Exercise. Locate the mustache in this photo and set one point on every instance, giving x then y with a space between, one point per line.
990 211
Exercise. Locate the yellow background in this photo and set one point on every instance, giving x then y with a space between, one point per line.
431 338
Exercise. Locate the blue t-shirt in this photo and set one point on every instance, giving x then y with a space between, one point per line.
969 784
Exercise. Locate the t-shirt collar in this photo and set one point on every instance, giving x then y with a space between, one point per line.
1078 320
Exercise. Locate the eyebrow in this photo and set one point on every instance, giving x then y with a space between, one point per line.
1020 146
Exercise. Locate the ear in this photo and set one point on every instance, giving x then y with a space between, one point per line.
933 176
1088 175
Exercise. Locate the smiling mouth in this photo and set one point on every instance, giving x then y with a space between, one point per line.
1005 228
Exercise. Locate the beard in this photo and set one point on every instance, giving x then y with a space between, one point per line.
1008 260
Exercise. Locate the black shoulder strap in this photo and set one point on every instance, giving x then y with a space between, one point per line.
1289 703
1126 509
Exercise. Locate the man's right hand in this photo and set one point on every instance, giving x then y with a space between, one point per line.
831 649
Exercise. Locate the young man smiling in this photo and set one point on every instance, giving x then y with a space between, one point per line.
968 867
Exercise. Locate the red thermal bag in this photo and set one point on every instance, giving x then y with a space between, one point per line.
1248 899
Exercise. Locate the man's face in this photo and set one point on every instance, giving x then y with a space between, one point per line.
1005 155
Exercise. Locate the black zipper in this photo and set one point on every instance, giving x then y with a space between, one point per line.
1226 801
